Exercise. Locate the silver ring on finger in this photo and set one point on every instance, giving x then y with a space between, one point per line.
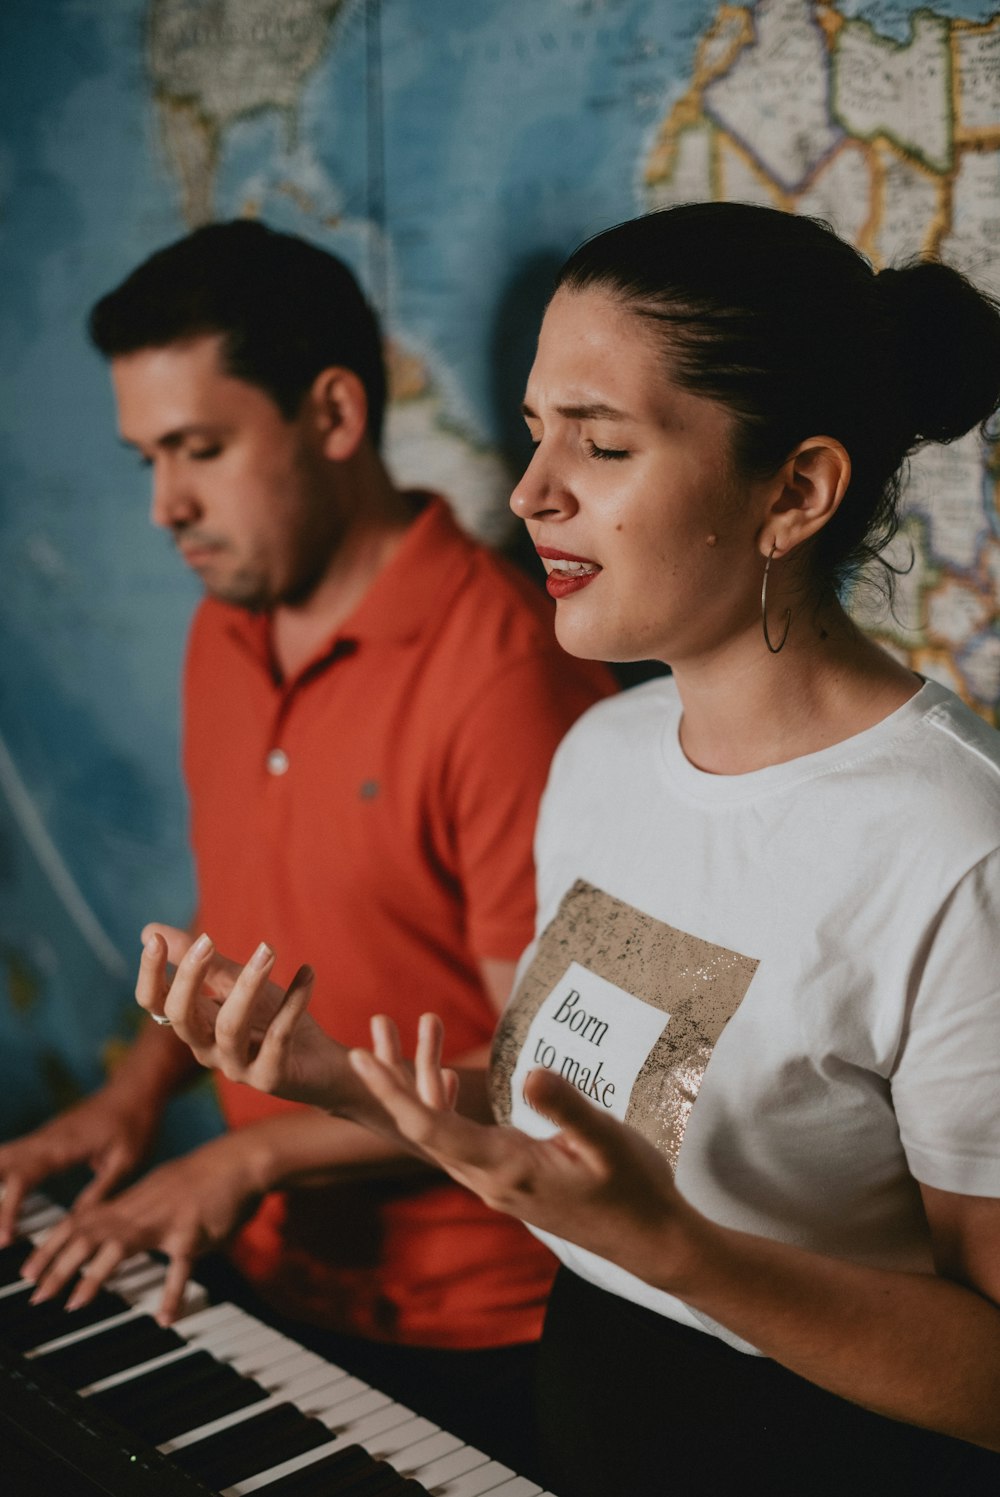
160 1019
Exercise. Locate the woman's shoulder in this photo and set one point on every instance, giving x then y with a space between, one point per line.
962 733
941 778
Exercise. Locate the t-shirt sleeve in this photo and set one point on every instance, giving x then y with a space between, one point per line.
497 771
946 1088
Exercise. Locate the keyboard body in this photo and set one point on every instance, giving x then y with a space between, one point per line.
105 1401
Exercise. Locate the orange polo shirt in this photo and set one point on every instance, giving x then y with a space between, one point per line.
374 816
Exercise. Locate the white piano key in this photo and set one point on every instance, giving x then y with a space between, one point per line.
408 1461
344 1413
311 1385
40 1222
286 1468
519 1487
18 1286
239 1337
136 1280
212 1319
193 1297
483 1481
346 1388
33 1202
254 1361
436 1474
285 1368
401 1437
367 1429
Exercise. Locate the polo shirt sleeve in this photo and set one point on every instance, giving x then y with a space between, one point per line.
498 768
946 1089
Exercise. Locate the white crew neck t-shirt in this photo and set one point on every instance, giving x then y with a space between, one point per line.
788 980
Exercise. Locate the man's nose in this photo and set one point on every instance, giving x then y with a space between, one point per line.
173 501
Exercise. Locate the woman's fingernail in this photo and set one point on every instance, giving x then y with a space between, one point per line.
261 956
152 946
202 946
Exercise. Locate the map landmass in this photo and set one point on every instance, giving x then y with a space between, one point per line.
213 64
896 143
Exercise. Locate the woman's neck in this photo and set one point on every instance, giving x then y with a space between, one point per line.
752 709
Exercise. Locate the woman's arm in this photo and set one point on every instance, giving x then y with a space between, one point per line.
922 1348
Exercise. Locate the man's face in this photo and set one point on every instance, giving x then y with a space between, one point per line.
247 494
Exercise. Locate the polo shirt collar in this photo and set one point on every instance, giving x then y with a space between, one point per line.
428 567
414 587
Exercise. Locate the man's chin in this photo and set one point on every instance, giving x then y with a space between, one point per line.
237 594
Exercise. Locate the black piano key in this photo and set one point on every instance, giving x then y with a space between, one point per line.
110 1351
170 1400
338 1475
76 1450
322 1477
233 1454
192 1414
23 1325
129 1400
383 1481
13 1257
197 1371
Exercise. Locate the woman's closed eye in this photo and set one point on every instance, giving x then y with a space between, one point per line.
609 454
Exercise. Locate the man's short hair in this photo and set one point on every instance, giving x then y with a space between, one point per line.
285 308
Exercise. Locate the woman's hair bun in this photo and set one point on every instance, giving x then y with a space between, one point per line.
946 338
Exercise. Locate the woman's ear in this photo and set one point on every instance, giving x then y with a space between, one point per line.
340 406
806 493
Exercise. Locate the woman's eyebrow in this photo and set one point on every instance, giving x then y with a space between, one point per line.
592 412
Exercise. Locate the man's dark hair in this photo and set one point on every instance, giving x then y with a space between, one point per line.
285 308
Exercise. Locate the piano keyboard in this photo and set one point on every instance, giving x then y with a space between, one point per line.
217 1403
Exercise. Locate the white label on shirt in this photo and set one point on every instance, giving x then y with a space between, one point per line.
596 1035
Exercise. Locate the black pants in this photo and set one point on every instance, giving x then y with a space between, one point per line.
633 1405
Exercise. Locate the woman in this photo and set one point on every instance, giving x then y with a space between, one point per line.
762 1006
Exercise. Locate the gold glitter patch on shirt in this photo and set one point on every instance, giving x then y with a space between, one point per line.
699 984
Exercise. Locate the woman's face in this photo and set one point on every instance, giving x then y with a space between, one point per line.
646 535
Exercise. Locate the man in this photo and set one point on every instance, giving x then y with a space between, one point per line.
371 702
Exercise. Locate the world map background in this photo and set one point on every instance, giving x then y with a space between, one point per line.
453 154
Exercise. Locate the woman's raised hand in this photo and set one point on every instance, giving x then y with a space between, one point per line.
597 1182
235 1020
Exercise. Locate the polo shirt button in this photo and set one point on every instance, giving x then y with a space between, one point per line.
277 762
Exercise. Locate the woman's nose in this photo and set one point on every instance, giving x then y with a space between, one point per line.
541 493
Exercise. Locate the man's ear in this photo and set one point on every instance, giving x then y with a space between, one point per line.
340 406
805 494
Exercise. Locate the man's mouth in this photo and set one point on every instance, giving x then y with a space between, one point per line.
195 550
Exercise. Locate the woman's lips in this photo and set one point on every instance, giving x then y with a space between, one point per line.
566 573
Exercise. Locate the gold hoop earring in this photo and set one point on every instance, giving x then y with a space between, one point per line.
774 649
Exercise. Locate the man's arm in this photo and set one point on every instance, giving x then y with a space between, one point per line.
193 1205
111 1131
